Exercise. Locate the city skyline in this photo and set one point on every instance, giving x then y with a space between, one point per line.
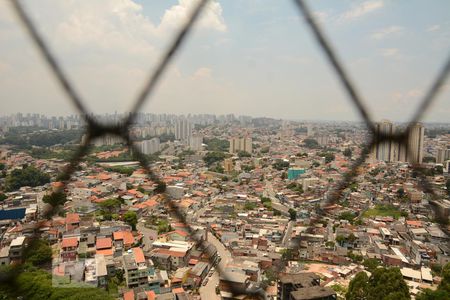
240 58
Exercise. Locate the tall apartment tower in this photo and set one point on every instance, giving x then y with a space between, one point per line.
414 151
442 155
386 150
241 144
196 142
183 130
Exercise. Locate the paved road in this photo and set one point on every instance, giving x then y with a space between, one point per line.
149 236
209 290
287 234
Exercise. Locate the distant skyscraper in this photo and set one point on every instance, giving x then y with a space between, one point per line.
385 151
183 130
241 144
414 151
442 155
391 151
196 142
228 165
310 130
148 146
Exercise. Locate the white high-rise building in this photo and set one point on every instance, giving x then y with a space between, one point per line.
183 130
385 151
414 151
196 142
241 144
391 151
442 155
148 146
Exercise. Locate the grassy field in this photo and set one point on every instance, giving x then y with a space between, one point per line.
383 211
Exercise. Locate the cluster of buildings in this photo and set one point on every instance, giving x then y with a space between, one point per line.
268 223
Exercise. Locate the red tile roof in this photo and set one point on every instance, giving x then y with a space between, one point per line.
138 255
105 252
72 218
103 243
178 290
128 295
69 242
151 295
126 236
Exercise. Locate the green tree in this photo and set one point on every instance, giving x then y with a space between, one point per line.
348 153
340 239
160 187
445 283
244 154
349 216
27 176
358 287
371 264
447 185
55 199
3 197
249 205
213 157
388 283
329 157
38 252
109 207
292 214
131 218
311 143
443 290
216 144
280 164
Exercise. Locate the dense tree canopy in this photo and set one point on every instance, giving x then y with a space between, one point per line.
443 290
42 139
244 154
38 252
216 144
348 153
37 284
55 199
384 283
213 157
131 218
280 164
311 143
27 176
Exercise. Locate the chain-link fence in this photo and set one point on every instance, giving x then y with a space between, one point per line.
95 129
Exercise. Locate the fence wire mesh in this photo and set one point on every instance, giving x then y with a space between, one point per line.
95 129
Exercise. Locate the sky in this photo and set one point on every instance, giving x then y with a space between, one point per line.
247 57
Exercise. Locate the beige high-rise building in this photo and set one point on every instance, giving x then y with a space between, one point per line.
442 155
241 144
414 153
228 165
385 151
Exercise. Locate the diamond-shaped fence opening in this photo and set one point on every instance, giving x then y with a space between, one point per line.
95 129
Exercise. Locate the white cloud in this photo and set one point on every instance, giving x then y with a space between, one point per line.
321 16
432 28
106 47
388 31
362 9
407 97
389 52
211 17
202 72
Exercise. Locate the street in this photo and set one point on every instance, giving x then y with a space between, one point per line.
209 290
149 236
